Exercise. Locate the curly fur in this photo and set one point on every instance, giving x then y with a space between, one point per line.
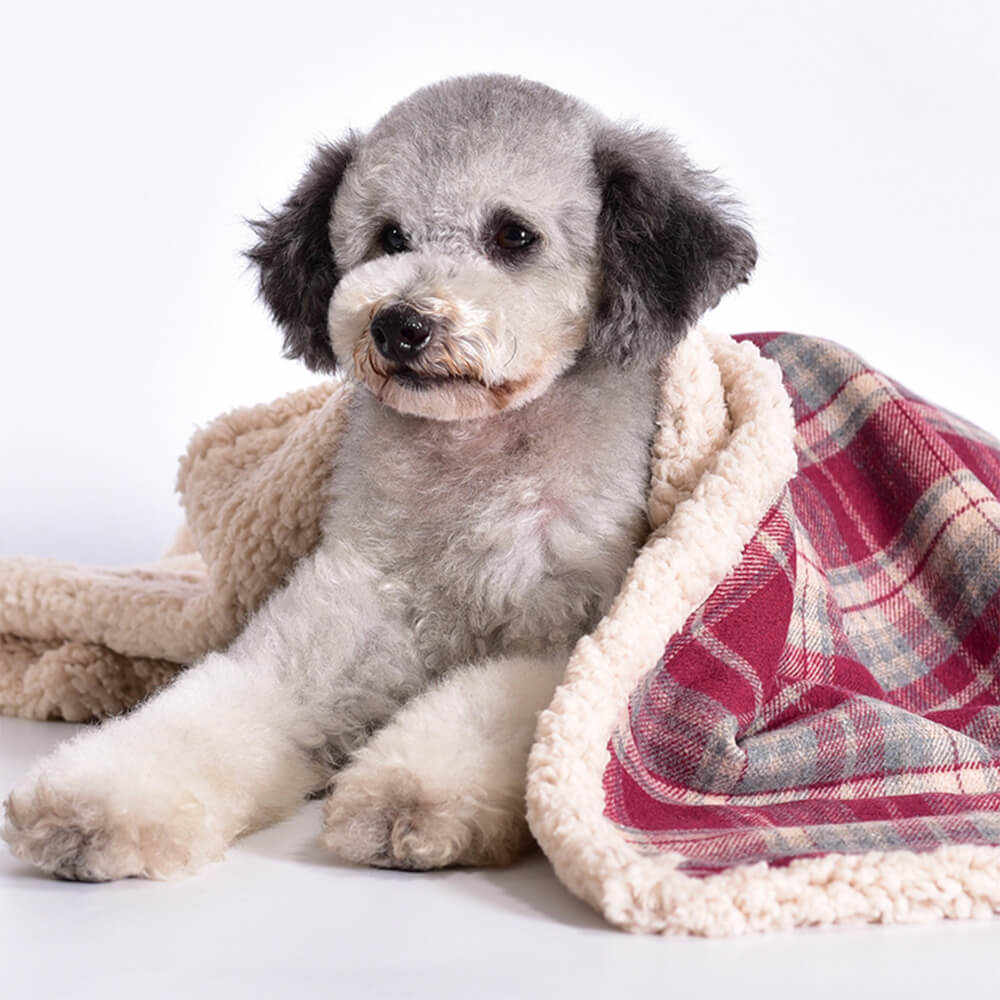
486 502
295 264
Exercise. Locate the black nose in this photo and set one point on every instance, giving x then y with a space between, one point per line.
400 333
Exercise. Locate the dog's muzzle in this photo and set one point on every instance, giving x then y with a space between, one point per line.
400 333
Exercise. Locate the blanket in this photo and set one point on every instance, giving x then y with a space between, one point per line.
791 713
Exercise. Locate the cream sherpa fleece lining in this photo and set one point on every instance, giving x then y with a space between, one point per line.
713 492
80 643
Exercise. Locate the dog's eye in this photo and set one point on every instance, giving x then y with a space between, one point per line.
393 239
514 236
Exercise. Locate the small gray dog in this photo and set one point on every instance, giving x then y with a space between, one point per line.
504 271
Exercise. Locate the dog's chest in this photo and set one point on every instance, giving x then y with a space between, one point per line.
510 535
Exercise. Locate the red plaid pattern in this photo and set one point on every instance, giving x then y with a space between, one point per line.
840 690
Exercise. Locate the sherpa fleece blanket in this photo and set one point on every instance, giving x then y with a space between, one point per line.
791 713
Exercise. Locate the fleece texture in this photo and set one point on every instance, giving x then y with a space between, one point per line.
80 643
791 713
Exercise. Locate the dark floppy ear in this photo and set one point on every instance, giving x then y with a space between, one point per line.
297 271
671 244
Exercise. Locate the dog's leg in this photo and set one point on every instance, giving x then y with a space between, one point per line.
168 787
443 783
237 741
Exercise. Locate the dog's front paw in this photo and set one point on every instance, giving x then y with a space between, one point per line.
394 819
90 832
64 834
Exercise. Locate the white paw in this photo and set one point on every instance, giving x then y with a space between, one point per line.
391 818
92 832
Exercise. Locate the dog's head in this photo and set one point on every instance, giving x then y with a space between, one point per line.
485 234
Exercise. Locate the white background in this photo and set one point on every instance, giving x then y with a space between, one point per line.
135 137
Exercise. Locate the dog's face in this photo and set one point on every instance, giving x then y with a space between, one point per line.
465 226
485 234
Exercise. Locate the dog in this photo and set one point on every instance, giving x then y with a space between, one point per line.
503 271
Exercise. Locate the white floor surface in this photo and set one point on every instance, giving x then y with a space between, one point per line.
278 918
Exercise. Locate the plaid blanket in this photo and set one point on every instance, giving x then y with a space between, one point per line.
791 713
838 692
